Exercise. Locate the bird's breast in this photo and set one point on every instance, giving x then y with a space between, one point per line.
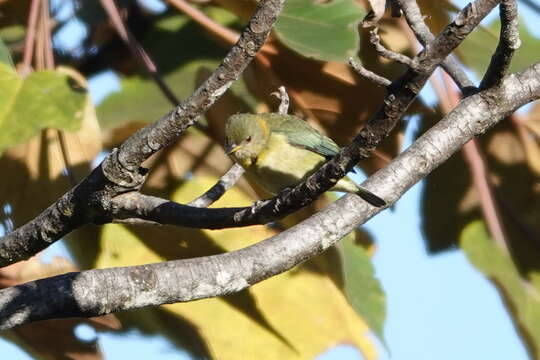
281 164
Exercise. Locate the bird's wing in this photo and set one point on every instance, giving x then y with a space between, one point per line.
300 134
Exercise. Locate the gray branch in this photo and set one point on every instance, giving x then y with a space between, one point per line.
401 94
99 292
226 182
509 42
161 133
283 98
375 39
91 200
423 34
368 74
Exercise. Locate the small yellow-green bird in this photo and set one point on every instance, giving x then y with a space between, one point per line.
280 151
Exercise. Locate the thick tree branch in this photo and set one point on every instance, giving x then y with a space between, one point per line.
401 94
99 292
159 134
120 172
509 42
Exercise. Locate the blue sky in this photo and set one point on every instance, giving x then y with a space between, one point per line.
439 307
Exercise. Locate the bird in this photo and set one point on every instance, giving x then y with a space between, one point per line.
279 151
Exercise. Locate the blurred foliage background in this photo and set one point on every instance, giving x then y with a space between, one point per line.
52 135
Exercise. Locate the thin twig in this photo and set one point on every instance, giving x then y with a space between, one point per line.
416 22
216 192
199 17
29 40
375 39
48 46
283 97
509 42
48 63
137 50
39 52
370 75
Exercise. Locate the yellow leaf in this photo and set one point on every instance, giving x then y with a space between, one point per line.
296 315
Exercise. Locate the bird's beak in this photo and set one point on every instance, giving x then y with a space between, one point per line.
231 148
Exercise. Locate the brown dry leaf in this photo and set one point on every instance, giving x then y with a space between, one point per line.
529 133
533 119
35 338
516 187
438 13
14 12
272 315
518 192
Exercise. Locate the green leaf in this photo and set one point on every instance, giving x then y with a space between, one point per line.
362 288
139 99
45 99
326 31
5 56
521 295
476 50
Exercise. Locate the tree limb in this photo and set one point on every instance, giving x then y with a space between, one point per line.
93 199
90 201
99 292
509 42
401 94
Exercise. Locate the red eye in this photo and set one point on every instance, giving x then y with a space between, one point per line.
248 139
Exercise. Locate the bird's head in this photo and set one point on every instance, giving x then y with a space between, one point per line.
246 137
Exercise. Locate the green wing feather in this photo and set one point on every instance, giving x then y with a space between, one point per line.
300 134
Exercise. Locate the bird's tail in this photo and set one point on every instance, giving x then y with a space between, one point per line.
370 197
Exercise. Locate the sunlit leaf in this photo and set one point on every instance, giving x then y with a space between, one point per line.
363 289
45 99
324 31
272 315
521 295
478 47
39 167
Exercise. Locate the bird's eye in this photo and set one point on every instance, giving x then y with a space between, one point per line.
248 139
